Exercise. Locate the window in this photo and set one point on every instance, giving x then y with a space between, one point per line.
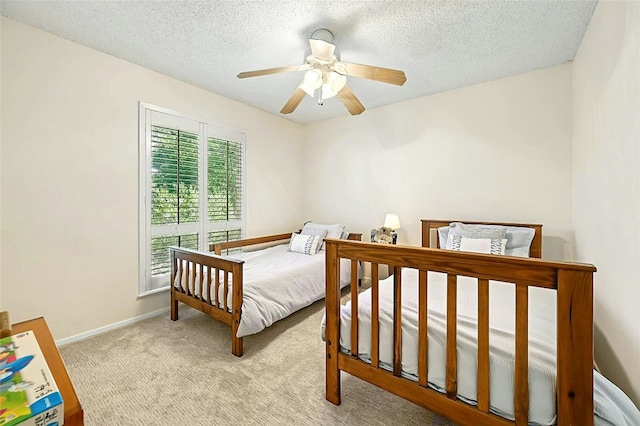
191 189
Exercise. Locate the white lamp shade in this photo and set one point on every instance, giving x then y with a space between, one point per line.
392 221
308 89
313 78
327 92
337 81
332 84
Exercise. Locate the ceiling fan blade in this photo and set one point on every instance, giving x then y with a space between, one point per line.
350 101
385 75
322 49
294 101
274 70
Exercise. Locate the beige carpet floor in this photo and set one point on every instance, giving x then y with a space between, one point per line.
161 372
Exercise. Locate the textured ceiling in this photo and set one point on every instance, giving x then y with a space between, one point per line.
439 44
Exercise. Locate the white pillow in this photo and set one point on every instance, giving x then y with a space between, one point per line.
305 244
479 245
332 231
519 238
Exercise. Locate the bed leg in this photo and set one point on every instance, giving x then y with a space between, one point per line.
333 376
236 346
174 307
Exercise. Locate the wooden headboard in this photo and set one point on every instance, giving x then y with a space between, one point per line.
429 225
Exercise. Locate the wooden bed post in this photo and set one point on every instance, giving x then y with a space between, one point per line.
172 276
236 310
332 327
575 348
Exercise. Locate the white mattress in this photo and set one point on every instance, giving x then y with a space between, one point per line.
501 339
276 284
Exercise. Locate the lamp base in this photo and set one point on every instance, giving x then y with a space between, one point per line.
394 237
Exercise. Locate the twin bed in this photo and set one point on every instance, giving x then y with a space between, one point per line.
251 290
478 338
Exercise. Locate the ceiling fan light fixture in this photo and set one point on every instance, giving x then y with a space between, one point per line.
313 78
312 81
307 89
332 84
337 82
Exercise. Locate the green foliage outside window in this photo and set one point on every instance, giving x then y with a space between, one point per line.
175 192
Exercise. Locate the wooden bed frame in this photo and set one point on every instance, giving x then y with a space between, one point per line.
574 287
198 265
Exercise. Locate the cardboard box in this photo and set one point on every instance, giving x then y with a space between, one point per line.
28 393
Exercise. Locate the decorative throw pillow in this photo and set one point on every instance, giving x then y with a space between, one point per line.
305 244
479 245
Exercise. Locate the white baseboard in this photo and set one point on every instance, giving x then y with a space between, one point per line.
110 327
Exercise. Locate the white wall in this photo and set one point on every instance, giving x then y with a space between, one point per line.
606 162
495 151
70 177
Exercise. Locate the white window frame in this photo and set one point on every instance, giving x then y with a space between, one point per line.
144 201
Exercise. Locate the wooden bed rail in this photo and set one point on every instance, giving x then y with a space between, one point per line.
218 247
572 282
246 242
200 276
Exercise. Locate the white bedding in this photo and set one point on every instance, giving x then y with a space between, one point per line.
542 346
277 283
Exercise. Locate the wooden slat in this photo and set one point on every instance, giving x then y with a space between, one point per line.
575 336
522 355
451 385
187 274
397 322
354 314
217 289
226 291
193 279
375 311
354 272
209 284
179 274
203 295
423 349
483 346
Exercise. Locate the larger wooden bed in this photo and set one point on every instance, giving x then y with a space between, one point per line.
572 283
201 276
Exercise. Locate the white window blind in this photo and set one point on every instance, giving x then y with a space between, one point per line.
192 189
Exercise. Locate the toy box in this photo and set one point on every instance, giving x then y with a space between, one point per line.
28 394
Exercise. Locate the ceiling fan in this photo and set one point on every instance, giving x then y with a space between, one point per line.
327 75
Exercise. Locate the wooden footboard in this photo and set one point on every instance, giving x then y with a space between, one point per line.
196 279
573 284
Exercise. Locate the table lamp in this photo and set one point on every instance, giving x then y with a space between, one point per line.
392 221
